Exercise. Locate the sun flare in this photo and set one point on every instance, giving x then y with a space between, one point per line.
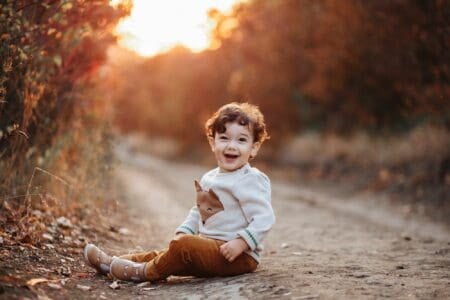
157 26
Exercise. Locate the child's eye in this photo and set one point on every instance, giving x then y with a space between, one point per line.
242 140
223 137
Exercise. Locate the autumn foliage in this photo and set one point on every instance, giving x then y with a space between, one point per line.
51 121
327 65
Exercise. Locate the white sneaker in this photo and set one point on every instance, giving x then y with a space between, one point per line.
97 259
128 270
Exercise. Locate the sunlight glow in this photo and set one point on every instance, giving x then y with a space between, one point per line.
157 26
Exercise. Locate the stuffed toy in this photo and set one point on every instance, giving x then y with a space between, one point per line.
208 202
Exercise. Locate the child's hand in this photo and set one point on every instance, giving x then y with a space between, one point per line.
232 249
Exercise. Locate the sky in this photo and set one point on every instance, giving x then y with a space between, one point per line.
156 26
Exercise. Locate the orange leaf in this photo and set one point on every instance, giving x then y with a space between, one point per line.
35 281
83 274
9 279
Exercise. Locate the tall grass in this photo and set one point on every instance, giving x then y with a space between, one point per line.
413 167
422 144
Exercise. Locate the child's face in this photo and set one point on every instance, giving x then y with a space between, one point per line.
234 147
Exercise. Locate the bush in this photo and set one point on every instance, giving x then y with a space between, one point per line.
52 122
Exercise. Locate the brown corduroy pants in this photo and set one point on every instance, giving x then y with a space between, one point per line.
192 255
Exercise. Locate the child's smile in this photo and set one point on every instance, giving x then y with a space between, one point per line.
234 147
230 157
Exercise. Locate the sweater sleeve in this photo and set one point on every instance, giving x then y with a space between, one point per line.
253 192
190 224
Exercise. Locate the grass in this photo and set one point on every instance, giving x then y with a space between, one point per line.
421 144
413 168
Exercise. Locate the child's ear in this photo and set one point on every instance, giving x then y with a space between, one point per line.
198 188
211 143
255 149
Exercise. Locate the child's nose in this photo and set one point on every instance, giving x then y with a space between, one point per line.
231 144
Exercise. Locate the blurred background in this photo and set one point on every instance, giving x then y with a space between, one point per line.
355 93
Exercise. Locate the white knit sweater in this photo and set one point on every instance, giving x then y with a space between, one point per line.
246 197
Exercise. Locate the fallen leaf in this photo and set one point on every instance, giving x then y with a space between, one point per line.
83 287
54 286
82 274
31 246
64 222
34 281
26 239
114 285
9 279
144 284
49 246
47 237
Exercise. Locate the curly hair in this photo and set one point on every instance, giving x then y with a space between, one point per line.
244 114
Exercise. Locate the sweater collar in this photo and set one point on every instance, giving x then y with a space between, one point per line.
235 172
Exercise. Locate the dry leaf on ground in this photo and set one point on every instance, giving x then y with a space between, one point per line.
34 281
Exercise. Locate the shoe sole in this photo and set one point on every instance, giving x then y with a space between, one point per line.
86 259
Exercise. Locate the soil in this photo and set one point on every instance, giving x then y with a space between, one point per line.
323 246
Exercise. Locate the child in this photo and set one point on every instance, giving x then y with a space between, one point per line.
222 234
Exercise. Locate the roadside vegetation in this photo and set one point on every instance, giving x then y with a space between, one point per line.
55 153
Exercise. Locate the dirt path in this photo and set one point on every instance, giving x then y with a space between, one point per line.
321 247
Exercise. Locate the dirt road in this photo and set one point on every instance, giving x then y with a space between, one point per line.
322 247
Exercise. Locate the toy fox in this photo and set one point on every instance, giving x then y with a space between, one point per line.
208 202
